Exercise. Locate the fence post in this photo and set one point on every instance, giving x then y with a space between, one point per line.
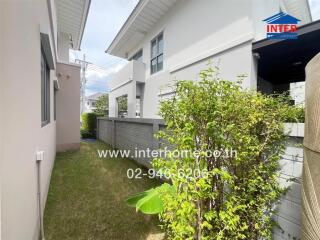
113 134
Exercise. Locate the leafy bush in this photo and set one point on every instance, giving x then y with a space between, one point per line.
295 114
88 124
86 134
235 198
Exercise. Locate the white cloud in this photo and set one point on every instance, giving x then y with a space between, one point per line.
89 92
97 77
315 9
96 82
98 72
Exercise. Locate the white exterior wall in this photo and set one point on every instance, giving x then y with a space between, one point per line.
125 83
261 10
128 89
21 131
1 117
63 47
297 92
196 31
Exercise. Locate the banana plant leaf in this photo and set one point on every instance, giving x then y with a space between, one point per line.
149 202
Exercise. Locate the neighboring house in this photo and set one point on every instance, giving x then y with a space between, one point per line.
39 104
90 102
166 40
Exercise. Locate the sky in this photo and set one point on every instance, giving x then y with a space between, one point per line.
315 9
104 21
105 18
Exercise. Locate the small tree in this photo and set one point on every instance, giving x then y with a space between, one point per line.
235 194
235 199
102 105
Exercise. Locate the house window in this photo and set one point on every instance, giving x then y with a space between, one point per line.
93 104
138 106
156 63
122 106
137 56
45 90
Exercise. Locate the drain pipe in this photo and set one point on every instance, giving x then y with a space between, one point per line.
39 159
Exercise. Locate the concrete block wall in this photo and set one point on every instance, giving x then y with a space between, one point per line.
105 131
131 133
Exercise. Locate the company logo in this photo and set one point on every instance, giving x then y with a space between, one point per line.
282 26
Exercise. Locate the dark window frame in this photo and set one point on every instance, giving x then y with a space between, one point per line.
138 56
158 55
45 90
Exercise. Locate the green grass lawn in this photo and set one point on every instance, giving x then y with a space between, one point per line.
87 198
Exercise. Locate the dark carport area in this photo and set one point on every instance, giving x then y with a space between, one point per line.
281 62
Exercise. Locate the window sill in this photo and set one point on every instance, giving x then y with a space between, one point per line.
43 124
156 73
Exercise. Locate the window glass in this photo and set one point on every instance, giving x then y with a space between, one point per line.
45 91
137 56
154 48
160 44
156 63
43 113
160 62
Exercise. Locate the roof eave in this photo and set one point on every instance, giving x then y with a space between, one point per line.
307 28
137 26
125 26
83 24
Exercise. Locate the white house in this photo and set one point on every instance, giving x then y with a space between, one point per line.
164 40
39 104
167 40
90 102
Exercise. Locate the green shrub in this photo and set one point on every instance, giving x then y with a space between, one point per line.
86 134
295 114
89 123
235 196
